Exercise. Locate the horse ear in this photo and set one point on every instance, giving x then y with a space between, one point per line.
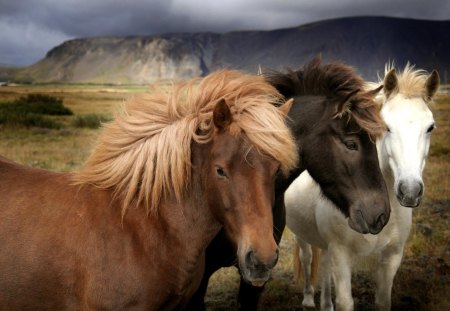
390 83
222 115
286 107
374 92
432 85
346 103
260 72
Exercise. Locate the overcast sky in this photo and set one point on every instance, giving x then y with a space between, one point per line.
29 28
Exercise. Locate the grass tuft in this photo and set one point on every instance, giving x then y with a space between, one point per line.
92 121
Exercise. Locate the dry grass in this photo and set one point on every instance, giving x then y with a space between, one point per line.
423 281
67 148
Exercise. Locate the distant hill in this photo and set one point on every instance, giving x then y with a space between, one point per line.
364 42
7 72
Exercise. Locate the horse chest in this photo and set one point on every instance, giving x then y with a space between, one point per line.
394 234
334 230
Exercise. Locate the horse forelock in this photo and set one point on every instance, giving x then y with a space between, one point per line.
144 154
411 81
334 81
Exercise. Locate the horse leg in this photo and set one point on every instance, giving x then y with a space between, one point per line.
389 262
219 253
248 296
342 275
326 304
197 302
305 254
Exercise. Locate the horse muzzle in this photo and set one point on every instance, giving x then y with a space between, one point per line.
256 270
409 193
370 220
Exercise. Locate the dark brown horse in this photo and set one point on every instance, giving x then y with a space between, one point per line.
129 230
335 123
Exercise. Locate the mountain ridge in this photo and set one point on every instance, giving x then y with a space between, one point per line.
366 43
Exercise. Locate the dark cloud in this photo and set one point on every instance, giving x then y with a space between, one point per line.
29 28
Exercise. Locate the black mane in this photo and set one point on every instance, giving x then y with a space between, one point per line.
315 78
335 81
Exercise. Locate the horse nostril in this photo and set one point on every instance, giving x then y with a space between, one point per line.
250 259
381 221
420 190
402 189
410 190
275 259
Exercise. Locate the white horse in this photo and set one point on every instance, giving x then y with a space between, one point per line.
402 153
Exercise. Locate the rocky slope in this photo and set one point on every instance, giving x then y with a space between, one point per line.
364 42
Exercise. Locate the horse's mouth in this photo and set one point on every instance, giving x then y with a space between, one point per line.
409 202
259 283
255 270
257 279
357 222
358 225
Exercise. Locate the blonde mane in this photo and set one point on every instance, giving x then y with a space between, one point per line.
144 155
411 82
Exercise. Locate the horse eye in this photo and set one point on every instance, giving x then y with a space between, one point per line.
220 172
388 129
431 128
351 145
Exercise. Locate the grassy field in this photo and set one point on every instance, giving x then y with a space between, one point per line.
422 283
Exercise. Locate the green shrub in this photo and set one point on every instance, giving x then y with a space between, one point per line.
40 104
29 120
31 111
92 121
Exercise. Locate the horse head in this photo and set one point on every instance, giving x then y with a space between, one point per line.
335 123
238 180
404 147
345 164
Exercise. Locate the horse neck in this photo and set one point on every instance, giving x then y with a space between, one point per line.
191 220
305 108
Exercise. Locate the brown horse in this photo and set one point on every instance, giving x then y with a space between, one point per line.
129 230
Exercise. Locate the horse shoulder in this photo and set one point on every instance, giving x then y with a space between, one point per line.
54 238
301 200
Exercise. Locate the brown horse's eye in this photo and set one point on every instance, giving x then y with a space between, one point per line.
220 172
352 145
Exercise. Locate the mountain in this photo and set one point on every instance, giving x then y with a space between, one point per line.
364 42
